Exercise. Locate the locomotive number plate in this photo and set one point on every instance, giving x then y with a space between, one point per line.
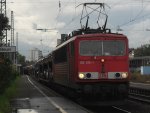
103 76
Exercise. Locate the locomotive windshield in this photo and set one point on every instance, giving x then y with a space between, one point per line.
102 48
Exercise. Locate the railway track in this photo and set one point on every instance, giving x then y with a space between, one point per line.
139 94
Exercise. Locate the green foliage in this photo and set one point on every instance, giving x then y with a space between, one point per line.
7 74
5 98
4 104
142 51
7 85
21 59
3 24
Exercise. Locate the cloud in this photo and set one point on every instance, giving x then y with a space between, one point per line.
138 34
46 14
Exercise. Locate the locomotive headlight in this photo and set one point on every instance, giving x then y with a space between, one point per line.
102 60
81 75
124 75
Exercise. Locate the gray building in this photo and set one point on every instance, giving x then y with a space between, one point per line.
35 54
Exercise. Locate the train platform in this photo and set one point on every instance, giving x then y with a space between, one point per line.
33 97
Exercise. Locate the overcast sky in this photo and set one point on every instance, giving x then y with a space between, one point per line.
132 16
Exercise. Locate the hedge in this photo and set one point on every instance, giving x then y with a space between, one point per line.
7 74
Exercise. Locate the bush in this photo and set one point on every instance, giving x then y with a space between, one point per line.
7 95
7 75
4 104
137 77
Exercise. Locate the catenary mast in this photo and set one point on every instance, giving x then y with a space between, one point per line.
3 11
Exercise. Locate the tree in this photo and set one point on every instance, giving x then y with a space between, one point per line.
3 24
6 75
144 50
21 59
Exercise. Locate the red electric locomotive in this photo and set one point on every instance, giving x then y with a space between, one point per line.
91 63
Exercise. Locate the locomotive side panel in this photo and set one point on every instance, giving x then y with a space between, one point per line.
60 65
71 62
64 65
61 73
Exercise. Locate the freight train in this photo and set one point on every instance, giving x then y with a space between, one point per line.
88 63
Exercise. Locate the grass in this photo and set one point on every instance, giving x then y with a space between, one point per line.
137 77
5 98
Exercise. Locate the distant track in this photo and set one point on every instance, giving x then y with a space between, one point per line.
125 111
141 94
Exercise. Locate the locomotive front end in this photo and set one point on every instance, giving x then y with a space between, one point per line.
103 67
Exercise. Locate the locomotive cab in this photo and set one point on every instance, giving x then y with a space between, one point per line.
102 65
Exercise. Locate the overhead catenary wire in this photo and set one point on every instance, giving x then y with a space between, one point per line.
76 2
60 11
137 17
78 15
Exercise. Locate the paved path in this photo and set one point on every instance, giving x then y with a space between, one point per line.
33 97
